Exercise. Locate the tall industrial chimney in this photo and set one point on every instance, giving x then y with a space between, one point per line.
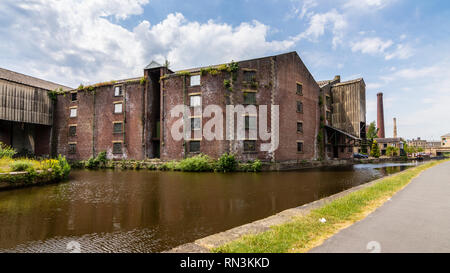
395 127
380 116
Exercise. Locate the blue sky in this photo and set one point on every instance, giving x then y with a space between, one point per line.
399 47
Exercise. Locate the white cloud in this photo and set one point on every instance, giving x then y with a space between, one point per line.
367 4
401 52
319 22
372 46
82 41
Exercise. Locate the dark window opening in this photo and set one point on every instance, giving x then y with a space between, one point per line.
117 148
74 96
299 89
118 128
299 107
300 127
249 145
299 147
72 131
249 76
249 98
194 146
72 148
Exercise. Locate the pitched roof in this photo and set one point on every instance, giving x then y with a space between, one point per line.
28 80
153 64
349 82
323 83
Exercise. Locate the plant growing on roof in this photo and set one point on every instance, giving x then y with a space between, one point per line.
143 80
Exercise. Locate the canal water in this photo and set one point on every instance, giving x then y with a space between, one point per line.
148 211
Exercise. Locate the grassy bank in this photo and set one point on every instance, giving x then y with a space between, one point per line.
24 170
306 232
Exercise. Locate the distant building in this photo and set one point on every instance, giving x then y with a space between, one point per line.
445 140
384 143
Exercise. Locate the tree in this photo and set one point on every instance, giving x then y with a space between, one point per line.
392 151
375 151
372 132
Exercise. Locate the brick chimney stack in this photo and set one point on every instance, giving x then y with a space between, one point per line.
380 116
395 127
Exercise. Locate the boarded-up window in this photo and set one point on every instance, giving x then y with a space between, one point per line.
194 146
72 148
118 127
195 101
195 123
249 145
118 91
250 98
73 112
195 80
72 130
118 108
117 148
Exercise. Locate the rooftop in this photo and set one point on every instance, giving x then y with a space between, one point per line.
30 81
388 140
447 135
349 82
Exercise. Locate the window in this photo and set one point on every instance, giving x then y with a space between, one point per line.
73 96
194 146
249 98
195 123
299 89
72 148
299 107
350 149
118 127
328 101
117 148
328 116
72 130
385 145
300 127
196 101
73 112
118 91
195 80
342 149
250 123
299 147
117 108
249 76
249 145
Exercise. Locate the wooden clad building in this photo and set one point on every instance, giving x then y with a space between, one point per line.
26 112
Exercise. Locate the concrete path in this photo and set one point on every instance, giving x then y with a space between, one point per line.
417 219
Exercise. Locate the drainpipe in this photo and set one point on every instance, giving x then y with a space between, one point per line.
93 125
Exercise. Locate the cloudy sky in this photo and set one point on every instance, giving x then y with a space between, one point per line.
399 47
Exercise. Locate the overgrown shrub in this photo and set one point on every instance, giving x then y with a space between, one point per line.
199 163
21 166
226 163
6 151
252 166
96 162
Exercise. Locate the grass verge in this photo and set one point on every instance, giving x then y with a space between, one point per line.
307 232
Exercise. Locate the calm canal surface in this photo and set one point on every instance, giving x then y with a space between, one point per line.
144 211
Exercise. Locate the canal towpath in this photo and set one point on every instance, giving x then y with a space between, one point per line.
414 220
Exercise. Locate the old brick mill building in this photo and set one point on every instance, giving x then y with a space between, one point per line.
131 119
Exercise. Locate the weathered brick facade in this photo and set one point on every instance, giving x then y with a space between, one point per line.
281 80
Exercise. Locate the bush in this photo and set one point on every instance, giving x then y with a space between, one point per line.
6 151
21 166
199 163
255 166
96 162
226 163
168 166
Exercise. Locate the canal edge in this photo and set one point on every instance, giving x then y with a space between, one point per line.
206 244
